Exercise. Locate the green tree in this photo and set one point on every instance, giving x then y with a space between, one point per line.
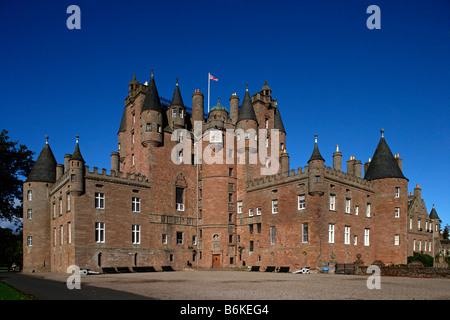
446 230
16 162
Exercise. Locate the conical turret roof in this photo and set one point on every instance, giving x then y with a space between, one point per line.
123 122
152 101
177 100
278 123
44 169
316 153
247 112
76 155
383 164
433 214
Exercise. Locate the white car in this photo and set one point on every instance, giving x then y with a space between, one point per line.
303 270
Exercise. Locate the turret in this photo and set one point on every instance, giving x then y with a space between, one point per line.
234 108
151 117
316 169
177 112
217 116
248 123
197 106
278 124
44 169
76 171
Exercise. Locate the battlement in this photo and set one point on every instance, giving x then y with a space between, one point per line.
340 176
277 179
116 177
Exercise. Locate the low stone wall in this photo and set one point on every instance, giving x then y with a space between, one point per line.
408 271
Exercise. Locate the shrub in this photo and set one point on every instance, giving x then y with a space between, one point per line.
426 259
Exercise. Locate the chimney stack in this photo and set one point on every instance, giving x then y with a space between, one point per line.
417 192
399 161
337 159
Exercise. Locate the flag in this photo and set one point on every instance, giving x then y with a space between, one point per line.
212 78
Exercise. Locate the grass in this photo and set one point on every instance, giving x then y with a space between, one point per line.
9 293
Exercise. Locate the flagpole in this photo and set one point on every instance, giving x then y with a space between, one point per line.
209 76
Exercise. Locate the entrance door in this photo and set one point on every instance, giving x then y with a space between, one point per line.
216 261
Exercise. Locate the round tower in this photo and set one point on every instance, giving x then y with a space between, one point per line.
197 106
234 108
151 117
217 116
316 170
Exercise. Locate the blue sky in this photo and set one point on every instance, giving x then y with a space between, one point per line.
332 76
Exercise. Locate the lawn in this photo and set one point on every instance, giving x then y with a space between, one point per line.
9 293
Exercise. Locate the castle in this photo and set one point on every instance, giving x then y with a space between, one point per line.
149 210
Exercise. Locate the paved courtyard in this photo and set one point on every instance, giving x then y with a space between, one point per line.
241 285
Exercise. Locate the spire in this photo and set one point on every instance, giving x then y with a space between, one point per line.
278 123
152 101
383 164
123 122
44 169
247 112
316 153
76 155
177 100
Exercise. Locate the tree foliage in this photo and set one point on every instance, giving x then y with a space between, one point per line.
16 162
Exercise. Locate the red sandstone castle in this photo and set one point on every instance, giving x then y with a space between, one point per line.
151 211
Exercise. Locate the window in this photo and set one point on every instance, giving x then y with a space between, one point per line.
301 202
60 207
132 159
331 233
68 201
61 235
230 172
230 238
29 241
305 234
239 207
347 235
247 135
272 235
414 245
397 213
100 232
251 246
174 113
29 195
135 234
73 177
181 113
356 210
148 127
366 237
274 206
179 238
194 240
69 232
418 225
99 200
355 240
368 210
397 192
410 223
29 214
250 212
250 228
158 128
317 179
396 240
179 199
135 204
132 137
164 238
54 209
332 202
258 211
347 205
258 227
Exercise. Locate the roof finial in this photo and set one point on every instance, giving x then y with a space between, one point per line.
337 148
246 88
77 139
152 72
134 76
46 139
218 100
177 81
382 133
265 82
315 138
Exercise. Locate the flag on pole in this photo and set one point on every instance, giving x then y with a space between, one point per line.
212 78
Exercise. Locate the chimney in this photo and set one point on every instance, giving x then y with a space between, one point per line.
417 192
66 162
284 164
366 166
197 106
337 159
357 168
350 165
115 162
234 108
399 161
59 171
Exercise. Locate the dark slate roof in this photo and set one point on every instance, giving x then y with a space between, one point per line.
76 155
383 164
316 153
44 169
177 100
152 101
278 123
123 122
433 214
247 112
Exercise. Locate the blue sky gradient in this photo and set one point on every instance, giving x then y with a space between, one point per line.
332 76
